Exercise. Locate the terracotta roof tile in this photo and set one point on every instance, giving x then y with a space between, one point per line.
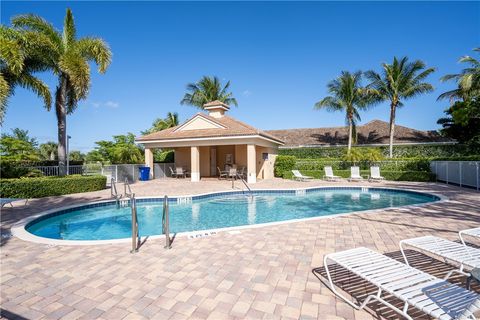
215 103
233 127
373 132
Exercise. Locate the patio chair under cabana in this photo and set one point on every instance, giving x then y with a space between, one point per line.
207 141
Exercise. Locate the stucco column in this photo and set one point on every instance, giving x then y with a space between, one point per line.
251 164
195 163
149 160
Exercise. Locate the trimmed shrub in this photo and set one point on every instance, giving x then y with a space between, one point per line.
387 165
420 176
43 163
284 163
50 186
405 151
9 170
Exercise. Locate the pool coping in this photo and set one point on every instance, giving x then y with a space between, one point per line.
19 229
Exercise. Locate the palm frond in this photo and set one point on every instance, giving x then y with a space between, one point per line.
4 94
27 81
11 55
78 72
208 89
95 49
38 24
69 30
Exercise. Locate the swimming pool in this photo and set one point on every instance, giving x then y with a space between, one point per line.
104 221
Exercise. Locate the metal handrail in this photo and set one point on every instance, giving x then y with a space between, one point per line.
166 223
126 185
244 182
114 193
135 233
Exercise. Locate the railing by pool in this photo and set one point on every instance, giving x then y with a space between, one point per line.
120 172
461 173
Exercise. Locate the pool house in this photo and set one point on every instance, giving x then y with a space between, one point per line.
208 145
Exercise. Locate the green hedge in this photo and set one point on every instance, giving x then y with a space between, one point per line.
420 176
387 165
50 186
410 151
284 163
42 163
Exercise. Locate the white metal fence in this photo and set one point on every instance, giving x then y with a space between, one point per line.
118 171
462 173
53 170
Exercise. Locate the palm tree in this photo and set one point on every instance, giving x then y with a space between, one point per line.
69 59
346 95
21 56
49 150
399 81
161 124
468 80
206 90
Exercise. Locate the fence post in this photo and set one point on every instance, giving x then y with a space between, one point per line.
446 177
460 171
478 178
116 172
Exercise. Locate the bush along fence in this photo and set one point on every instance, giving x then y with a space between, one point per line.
118 171
50 186
400 170
419 176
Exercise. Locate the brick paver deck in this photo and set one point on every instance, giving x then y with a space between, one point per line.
255 274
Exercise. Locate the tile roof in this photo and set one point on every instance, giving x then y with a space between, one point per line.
215 103
233 127
373 132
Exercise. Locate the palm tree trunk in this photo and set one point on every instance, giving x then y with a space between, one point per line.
392 127
60 101
350 132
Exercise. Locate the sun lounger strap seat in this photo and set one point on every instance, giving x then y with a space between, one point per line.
475 233
436 297
453 253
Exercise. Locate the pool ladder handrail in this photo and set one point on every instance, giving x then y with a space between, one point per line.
114 193
135 233
244 182
126 186
166 223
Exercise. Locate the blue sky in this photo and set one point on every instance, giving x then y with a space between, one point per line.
279 57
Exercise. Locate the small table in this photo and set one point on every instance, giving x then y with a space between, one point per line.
474 275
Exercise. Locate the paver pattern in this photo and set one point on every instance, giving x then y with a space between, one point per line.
259 273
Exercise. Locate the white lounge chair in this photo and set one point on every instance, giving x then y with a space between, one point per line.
453 253
5 201
298 176
355 174
329 174
375 174
436 297
475 233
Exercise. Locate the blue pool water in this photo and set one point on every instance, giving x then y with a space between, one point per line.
107 222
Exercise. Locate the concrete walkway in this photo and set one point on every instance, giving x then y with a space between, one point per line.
272 272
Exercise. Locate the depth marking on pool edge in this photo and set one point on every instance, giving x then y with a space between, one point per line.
202 235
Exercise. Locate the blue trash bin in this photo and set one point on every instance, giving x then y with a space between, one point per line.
144 173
